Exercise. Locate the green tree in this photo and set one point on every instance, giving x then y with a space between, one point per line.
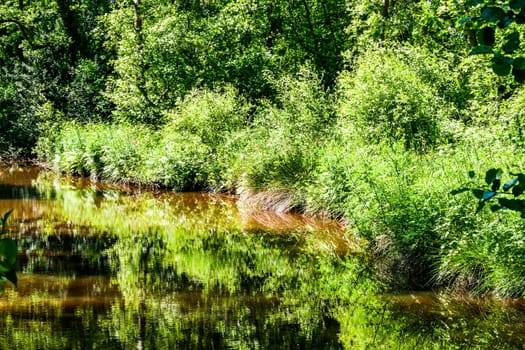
50 56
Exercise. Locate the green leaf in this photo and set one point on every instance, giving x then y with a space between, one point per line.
465 20
478 193
7 215
487 195
495 208
11 276
481 205
517 191
512 42
520 17
517 4
512 204
519 63
496 184
480 50
501 67
492 174
473 2
459 190
519 75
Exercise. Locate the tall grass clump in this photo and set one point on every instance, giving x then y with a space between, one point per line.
104 151
280 152
420 234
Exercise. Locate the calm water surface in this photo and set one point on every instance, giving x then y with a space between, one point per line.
114 267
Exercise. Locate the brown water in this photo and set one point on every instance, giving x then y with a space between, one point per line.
120 267
72 294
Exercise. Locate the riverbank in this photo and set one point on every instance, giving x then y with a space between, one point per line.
420 236
382 153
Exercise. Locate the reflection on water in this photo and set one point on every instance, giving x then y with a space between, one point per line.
120 267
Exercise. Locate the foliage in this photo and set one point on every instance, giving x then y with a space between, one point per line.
495 29
495 192
50 54
281 147
112 152
8 253
388 98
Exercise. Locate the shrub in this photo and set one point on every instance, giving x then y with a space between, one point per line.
210 121
387 99
421 235
281 149
179 162
112 152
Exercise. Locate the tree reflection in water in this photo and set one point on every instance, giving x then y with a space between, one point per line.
118 268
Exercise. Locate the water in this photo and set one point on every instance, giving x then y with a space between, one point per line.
119 267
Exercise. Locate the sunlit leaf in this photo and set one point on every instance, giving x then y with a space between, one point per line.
487 195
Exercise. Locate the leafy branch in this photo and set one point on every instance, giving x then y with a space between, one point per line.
504 196
495 26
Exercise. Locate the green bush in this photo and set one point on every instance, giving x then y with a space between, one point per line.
111 152
209 122
281 148
387 99
421 235
179 162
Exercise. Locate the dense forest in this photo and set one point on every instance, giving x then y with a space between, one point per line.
369 112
